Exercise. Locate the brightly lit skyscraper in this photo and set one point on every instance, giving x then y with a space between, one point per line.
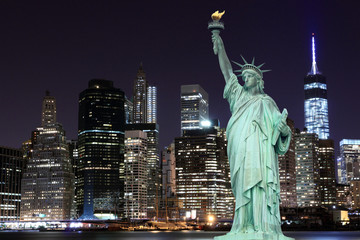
151 104
307 174
194 107
47 186
136 174
349 168
316 104
202 174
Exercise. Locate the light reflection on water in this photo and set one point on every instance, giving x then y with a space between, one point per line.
156 235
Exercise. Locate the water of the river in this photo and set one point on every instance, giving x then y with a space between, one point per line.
191 235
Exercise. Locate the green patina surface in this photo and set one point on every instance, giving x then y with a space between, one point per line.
257 133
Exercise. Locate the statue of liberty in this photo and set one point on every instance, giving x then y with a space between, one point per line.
257 133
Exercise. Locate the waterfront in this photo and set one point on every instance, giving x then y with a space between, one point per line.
156 235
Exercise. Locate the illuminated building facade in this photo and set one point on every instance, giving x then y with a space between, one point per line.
287 173
326 169
194 107
151 104
343 195
136 174
48 113
348 169
128 106
170 203
47 186
100 169
168 171
316 104
12 165
355 193
153 180
202 175
140 97
307 175
74 157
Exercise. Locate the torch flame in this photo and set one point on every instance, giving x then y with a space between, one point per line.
216 16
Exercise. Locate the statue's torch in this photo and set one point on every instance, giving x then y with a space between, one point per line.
215 25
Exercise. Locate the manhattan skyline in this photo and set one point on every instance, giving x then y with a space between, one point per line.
60 45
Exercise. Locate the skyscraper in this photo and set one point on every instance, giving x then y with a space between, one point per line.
287 172
170 204
153 180
144 99
202 175
48 113
136 174
350 157
194 106
47 187
74 157
151 104
11 166
316 104
326 169
128 105
100 169
307 176
140 97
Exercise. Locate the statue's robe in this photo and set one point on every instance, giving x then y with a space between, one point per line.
253 159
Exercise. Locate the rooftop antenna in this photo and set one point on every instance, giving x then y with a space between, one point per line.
314 69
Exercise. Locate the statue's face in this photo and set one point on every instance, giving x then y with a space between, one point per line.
249 78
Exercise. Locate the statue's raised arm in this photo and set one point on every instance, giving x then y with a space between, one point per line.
219 49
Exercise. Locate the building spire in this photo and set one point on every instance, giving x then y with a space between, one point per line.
48 113
314 69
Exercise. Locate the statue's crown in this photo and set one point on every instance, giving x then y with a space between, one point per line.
250 66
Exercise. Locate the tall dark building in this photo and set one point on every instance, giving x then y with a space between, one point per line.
140 97
287 172
11 169
74 158
326 168
316 104
153 165
48 113
100 169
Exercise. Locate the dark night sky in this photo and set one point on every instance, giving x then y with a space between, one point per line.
61 45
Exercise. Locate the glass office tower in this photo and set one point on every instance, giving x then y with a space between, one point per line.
12 166
194 107
307 176
316 104
349 168
100 169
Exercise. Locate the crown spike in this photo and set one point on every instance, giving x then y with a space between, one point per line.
238 64
269 70
250 66
244 59
260 65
